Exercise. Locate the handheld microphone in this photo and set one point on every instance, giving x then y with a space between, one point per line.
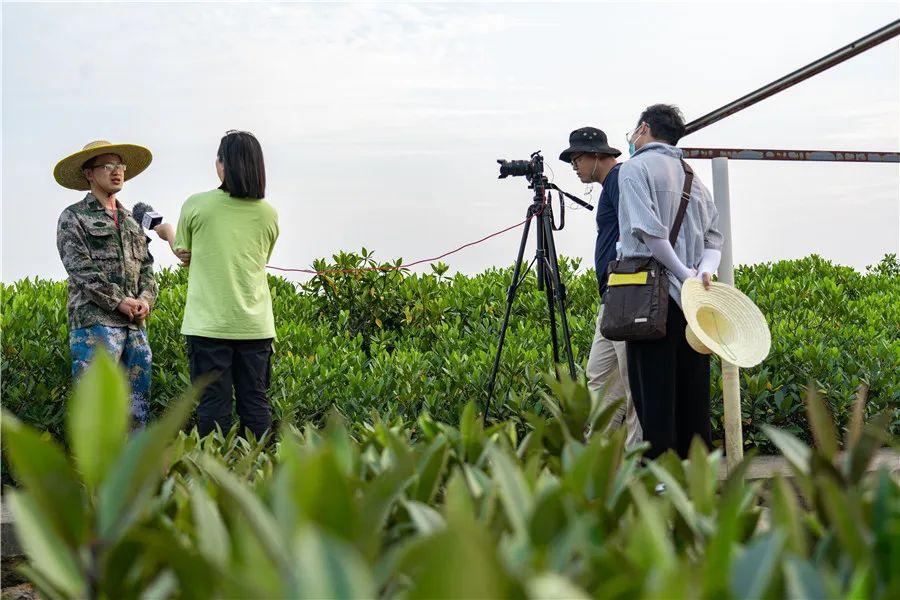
145 216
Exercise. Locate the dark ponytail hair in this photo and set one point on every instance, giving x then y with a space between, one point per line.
245 171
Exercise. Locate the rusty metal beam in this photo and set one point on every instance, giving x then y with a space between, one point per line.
799 155
826 62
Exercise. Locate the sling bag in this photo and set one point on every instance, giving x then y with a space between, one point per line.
636 300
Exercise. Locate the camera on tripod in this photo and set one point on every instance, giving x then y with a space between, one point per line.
518 168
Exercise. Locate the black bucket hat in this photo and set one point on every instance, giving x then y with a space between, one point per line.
590 140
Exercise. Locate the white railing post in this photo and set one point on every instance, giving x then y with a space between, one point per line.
731 387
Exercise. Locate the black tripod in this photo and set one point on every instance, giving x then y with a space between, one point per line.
548 278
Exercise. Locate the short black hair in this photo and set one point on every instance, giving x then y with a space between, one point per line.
666 122
245 171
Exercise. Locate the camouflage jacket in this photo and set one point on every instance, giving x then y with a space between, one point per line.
105 264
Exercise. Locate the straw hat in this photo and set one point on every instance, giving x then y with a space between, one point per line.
69 174
724 321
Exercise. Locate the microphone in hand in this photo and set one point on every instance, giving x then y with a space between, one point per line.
152 220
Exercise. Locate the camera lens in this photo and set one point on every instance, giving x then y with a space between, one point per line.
516 168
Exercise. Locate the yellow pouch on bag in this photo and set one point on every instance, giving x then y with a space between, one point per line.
639 278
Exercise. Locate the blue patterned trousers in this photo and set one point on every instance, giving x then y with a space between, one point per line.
127 346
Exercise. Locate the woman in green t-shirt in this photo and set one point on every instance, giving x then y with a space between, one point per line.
226 236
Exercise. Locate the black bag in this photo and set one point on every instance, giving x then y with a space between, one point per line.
636 300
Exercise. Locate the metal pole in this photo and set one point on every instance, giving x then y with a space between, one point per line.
731 389
855 156
826 62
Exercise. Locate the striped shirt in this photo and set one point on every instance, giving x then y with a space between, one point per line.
650 187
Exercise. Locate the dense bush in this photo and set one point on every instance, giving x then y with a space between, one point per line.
397 344
373 511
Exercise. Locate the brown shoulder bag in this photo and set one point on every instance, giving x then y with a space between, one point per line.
636 300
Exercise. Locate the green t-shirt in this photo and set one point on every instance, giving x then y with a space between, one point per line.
230 241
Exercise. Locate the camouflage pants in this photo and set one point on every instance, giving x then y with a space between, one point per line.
130 348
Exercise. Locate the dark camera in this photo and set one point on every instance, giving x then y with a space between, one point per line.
518 168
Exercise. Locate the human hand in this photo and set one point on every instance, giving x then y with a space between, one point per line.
165 231
707 280
184 256
129 307
143 309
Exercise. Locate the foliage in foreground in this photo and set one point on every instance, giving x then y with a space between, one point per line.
459 512
401 344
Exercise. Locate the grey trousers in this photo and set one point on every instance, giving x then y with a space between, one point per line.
607 372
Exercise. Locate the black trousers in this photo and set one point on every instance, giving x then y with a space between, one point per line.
670 388
241 369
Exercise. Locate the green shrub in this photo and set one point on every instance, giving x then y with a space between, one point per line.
371 510
398 344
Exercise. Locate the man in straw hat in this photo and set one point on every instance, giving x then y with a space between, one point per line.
669 380
594 161
104 251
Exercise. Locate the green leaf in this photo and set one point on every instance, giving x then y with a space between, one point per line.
193 573
98 417
212 536
854 428
329 568
787 516
676 494
886 528
548 519
752 571
320 492
514 492
822 424
426 519
48 555
701 478
804 582
458 504
845 517
41 583
43 469
430 468
471 433
795 451
164 585
720 549
129 485
379 497
858 458
252 510
553 586
458 562
651 543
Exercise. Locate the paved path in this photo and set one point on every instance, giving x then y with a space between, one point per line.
764 467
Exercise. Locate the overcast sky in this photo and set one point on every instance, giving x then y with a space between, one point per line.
381 123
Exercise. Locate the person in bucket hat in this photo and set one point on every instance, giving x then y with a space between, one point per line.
594 161
104 251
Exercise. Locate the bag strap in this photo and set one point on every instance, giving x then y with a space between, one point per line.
685 198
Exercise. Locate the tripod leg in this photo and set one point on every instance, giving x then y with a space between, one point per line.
551 309
510 296
540 254
559 292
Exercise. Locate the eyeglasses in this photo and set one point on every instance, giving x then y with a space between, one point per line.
111 167
631 134
575 158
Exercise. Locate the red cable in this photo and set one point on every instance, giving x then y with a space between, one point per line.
394 268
